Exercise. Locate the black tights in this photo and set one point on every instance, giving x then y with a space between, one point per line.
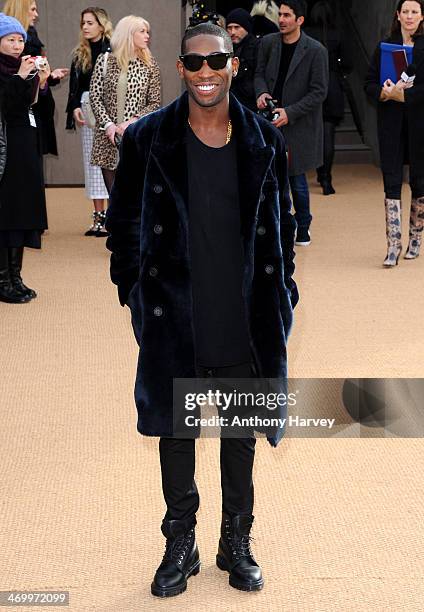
108 177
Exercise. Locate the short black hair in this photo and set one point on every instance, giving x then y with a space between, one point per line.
298 7
208 29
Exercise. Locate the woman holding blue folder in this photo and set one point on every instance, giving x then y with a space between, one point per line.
401 122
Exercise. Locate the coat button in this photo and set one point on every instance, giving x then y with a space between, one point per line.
158 188
262 198
158 312
261 230
158 229
153 271
269 269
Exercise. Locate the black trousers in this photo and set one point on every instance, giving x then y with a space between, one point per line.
393 180
177 459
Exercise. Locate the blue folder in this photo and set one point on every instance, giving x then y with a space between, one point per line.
388 69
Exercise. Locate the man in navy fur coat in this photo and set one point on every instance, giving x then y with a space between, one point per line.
202 238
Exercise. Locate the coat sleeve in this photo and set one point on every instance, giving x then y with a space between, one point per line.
96 93
262 61
372 84
415 95
124 217
72 103
154 91
287 220
317 86
3 147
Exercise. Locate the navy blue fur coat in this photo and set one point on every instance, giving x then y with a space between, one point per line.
148 224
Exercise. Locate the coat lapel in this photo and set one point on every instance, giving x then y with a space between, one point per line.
254 158
274 61
298 55
169 152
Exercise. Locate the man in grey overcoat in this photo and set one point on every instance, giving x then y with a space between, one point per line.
292 68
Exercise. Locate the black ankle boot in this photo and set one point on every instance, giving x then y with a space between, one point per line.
180 561
327 187
15 266
7 291
234 554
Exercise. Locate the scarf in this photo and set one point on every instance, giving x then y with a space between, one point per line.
9 65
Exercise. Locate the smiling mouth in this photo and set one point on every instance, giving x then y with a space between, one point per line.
206 88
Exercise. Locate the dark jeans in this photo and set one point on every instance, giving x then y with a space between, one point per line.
324 171
177 459
300 196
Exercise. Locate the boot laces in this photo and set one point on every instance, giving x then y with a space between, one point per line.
176 548
240 545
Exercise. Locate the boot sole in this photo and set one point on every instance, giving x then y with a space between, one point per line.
6 301
241 586
172 591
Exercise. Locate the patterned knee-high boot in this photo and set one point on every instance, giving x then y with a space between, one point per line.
416 224
393 231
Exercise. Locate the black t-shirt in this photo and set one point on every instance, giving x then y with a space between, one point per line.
216 254
287 52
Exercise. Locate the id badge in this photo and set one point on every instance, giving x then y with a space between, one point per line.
32 119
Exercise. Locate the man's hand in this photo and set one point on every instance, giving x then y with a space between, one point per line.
59 73
261 101
27 66
282 119
79 117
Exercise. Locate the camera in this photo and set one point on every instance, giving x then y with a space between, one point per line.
40 61
269 112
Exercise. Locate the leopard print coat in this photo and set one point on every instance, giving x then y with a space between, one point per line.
143 96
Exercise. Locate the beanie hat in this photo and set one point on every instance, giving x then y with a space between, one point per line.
10 25
241 17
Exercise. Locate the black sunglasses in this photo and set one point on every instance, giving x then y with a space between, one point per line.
193 61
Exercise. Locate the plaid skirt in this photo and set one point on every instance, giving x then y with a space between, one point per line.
95 188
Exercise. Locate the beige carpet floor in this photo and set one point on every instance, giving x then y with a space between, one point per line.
339 522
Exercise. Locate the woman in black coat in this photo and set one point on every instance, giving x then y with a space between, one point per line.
23 215
26 12
401 131
323 28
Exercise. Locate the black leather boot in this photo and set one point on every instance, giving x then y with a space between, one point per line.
326 183
7 291
180 561
15 266
234 554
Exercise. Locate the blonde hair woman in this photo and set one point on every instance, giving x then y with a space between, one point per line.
94 39
24 11
123 88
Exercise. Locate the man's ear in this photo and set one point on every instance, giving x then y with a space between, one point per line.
301 20
180 69
235 64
